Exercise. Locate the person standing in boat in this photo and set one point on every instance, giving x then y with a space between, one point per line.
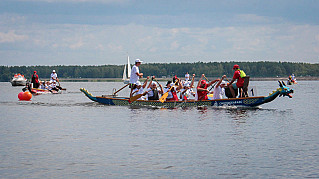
54 77
35 80
202 90
186 76
135 74
239 76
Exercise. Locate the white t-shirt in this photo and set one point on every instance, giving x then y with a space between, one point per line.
54 76
187 94
52 85
218 92
150 92
139 91
134 77
186 76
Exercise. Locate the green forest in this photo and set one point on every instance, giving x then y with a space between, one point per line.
210 69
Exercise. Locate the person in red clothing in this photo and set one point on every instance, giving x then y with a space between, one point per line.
35 80
239 76
202 90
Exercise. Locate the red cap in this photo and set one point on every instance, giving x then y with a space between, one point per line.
34 71
203 82
236 66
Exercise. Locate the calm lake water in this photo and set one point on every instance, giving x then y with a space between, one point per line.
69 136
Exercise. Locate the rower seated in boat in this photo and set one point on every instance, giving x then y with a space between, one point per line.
42 85
172 89
139 89
219 88
53 86
153 92
187 91
202 90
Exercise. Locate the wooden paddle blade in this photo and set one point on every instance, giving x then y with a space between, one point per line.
134 98
163 98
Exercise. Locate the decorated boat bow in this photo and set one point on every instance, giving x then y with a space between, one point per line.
283 90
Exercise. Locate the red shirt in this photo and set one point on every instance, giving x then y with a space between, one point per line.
202 95
35 78
240 80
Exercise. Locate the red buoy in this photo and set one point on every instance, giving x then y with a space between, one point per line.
25 96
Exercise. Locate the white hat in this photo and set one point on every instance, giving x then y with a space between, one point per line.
53 71
138 61
138 83
223 82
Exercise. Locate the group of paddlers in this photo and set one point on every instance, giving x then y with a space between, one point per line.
180 90
45 85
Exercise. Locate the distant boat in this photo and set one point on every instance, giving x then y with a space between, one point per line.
18 80
127 73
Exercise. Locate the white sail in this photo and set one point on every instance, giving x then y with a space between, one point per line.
126 77
124 73
128 67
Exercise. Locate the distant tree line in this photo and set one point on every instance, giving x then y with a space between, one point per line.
210 69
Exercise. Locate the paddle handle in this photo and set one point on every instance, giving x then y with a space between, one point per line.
156 81
120 89
206 78
164 96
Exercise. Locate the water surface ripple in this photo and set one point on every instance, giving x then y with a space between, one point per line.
69 136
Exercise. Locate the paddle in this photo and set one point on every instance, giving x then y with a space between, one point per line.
136 97
212 85
209 89
156 81
164 96
59 85
120 89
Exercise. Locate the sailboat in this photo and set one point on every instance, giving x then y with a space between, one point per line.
127 73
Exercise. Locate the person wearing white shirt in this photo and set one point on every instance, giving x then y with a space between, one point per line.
171 90
219 89
135 75
153 92
186 76
139 89
187 90
54 77
135 72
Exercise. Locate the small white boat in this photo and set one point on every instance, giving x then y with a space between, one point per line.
18 80
127 73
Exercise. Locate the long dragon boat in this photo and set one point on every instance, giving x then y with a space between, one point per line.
283 90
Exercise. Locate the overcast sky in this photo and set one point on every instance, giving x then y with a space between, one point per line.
97 32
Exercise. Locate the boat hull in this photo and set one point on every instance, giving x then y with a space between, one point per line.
37 91
245 102
18 82
242 102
